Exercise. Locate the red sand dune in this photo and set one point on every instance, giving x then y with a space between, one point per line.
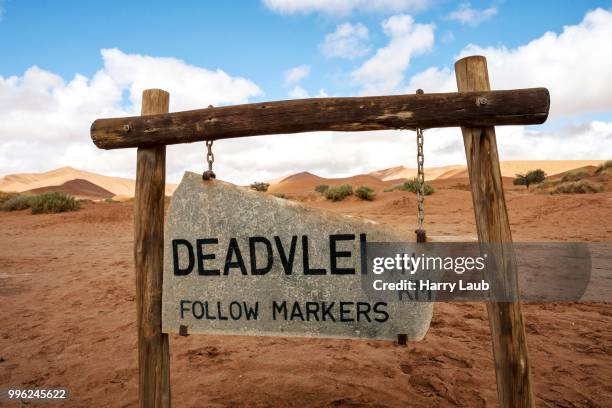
78 188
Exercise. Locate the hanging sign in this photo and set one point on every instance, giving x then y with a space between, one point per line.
241 262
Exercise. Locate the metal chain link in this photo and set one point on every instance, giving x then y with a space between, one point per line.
210 158
420 178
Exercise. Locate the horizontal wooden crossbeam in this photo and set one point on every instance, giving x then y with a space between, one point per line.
471 109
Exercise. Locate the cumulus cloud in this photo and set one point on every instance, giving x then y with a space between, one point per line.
384 71
467 15
344 7
45 120
296 74
298 92
348 41
570 64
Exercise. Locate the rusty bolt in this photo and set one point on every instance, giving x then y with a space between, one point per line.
482 101
420 92
127 128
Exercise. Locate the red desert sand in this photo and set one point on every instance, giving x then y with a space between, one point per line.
68 317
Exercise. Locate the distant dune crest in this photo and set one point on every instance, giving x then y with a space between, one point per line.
55 178
86 184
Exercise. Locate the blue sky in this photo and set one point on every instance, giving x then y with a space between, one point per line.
244 37
259 42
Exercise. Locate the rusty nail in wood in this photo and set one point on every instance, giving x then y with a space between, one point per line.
127 128
482 101
183 330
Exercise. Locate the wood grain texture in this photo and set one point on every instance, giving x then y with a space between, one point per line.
505 319
481 108
153 347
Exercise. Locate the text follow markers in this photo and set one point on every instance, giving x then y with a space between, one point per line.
241 262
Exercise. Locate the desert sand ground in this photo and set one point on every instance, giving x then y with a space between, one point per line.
68 319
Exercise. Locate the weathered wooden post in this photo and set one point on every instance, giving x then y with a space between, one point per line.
505 319
153 350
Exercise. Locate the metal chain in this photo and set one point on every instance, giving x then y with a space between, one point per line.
210 158
420 178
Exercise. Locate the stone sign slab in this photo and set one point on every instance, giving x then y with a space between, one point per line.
242 262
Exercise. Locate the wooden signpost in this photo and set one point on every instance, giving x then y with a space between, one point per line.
474 108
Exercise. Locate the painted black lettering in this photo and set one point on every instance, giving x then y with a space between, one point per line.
195 306
232 249
344 311
253 255
379 308
312 308
208 316
363 253
279 308
202 256
296 312
334 254
287 261
251 313
178 271
363 308
221 317
235 310
183 309
327 314
306 260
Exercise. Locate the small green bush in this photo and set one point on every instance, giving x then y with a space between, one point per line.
339 193
603 166
321 188
531 177
574 176
577 187
413 186
260 186
54 203
18 202
365 193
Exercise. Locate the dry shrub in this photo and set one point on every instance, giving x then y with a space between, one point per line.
413 185
365 193
574 176
17 202
604 167
260 186
339 193
5 196
321 188
54 203
577 187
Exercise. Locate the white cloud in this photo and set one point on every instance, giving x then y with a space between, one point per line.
45 120
344 7
384 72
348 41
570 64
296 74
298 92
467 15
